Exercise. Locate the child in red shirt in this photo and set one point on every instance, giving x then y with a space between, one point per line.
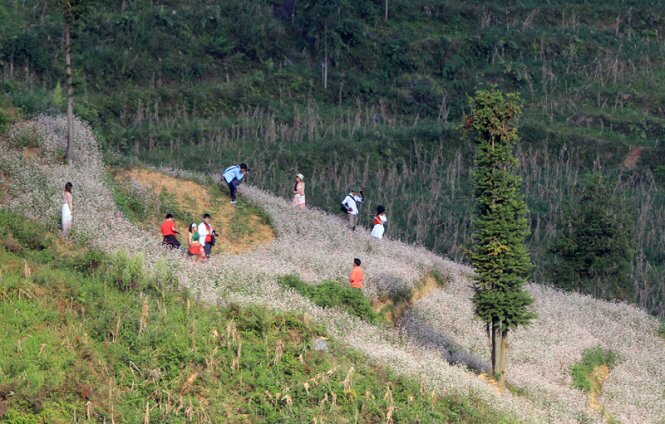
357 276
169 232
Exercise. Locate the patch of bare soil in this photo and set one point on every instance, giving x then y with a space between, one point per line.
633 157
393 312
197 199
598 377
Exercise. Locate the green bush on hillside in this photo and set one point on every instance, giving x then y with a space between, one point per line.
331 294
591 358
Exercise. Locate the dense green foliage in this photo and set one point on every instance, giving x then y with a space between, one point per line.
332 294
591 358
201 84
88 338
593 249
498 253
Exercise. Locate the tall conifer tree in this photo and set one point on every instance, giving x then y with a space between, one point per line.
498 253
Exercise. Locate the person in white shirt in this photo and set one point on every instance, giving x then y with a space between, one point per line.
233 177
379 219
207 235
350 205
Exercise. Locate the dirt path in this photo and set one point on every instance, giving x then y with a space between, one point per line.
241 229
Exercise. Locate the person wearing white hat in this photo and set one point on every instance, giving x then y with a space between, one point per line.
299 192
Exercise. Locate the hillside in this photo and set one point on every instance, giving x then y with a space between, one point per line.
348 95
437 343
143 351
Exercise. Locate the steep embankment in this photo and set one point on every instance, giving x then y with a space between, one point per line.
439 341
241 228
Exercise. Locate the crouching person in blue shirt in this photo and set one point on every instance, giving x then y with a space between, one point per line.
233 176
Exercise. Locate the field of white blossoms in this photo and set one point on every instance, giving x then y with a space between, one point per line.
437 342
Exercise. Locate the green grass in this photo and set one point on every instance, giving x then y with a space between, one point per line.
332 294
129 201
591 358
87 334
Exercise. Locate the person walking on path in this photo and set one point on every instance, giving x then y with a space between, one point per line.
195 248
168 232
379 219
299 192
233 176
357 276
207 235
67 209
350 206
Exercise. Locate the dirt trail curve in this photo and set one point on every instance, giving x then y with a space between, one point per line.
315 246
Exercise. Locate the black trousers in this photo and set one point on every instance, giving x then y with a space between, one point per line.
171 241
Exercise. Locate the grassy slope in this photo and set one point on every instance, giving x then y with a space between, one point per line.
93 337
145 196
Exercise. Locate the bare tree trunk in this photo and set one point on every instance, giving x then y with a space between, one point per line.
70 85
385 13
496 342
325 54
503 357
499 352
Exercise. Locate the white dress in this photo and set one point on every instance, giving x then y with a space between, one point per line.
378 230
66 216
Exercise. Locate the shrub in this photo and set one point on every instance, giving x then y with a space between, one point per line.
661 329
126 272
25 135
26 233
591 358
331 294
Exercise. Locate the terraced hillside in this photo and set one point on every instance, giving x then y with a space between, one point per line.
436 342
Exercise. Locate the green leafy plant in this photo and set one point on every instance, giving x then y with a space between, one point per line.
582 371
331 294
498 252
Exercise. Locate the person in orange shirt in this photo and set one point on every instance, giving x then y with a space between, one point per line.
169 232
357 275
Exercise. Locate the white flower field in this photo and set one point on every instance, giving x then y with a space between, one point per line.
438 341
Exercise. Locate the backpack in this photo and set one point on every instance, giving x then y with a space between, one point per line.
344 207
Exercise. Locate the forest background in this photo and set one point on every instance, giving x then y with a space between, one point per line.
374 93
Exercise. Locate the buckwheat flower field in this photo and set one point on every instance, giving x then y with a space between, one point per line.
437 341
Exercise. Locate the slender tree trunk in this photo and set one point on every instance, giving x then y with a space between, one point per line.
70 86
325 54
499 352
496 346
503 357
385 13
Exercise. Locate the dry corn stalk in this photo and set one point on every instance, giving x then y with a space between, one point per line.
279 351
187 385
27 273
144 315
348 381
211 359
235 365
146 417
231 333
389 395
389 414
